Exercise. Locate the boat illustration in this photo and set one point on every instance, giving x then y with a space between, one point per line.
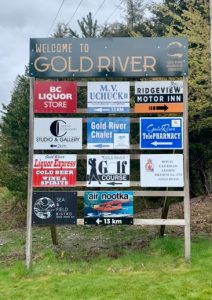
109 206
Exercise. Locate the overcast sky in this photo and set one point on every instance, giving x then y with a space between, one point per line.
22 19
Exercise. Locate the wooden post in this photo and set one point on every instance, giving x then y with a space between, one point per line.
186 174
29 194
54 234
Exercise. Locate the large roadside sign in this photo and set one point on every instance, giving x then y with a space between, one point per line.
108 170
108 97
159 96
55 97
161 133
57 133
54 208
161 170
108 207
108 57
108 133
54 170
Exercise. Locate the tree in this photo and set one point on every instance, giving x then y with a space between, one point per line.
14 140
88 28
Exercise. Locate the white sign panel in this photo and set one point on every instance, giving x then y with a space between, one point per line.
57 133
159 91
108 170
161 170
105 97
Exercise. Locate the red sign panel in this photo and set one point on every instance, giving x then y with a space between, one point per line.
55 97
53 170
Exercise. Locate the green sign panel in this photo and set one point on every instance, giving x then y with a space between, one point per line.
108 57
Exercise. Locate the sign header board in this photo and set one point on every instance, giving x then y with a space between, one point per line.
158 96
57 133
53 170
108 133
161 133
55 97
108 57
108 97
108 207
108 170
161 170
54 208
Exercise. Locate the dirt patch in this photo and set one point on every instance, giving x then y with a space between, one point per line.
201 215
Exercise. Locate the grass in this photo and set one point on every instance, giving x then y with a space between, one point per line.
155 272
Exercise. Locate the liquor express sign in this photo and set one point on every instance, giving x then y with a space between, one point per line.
108 170
54 207
108 133
114 57
108 97
55 97
57 133
54 170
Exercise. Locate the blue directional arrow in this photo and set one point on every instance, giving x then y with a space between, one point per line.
101 145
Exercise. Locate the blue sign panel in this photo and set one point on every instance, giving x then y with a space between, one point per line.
161 133
108 207
108 133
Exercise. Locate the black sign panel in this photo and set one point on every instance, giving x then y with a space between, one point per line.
108 57
54 208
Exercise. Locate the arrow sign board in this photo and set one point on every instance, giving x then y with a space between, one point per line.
161 133
54 208
108 170
57 133
108 133
161 170
159 96
108 207
54 170
55 97
108 97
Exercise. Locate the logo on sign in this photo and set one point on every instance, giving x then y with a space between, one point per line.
108 170
54 207
51 133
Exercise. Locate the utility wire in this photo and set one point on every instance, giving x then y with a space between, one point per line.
119 6
75 12
98 9
55 17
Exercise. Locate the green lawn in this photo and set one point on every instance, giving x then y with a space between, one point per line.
156 272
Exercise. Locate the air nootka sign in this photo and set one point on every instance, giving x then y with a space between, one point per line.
108 170
54 208
57 133
114 57
108 207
